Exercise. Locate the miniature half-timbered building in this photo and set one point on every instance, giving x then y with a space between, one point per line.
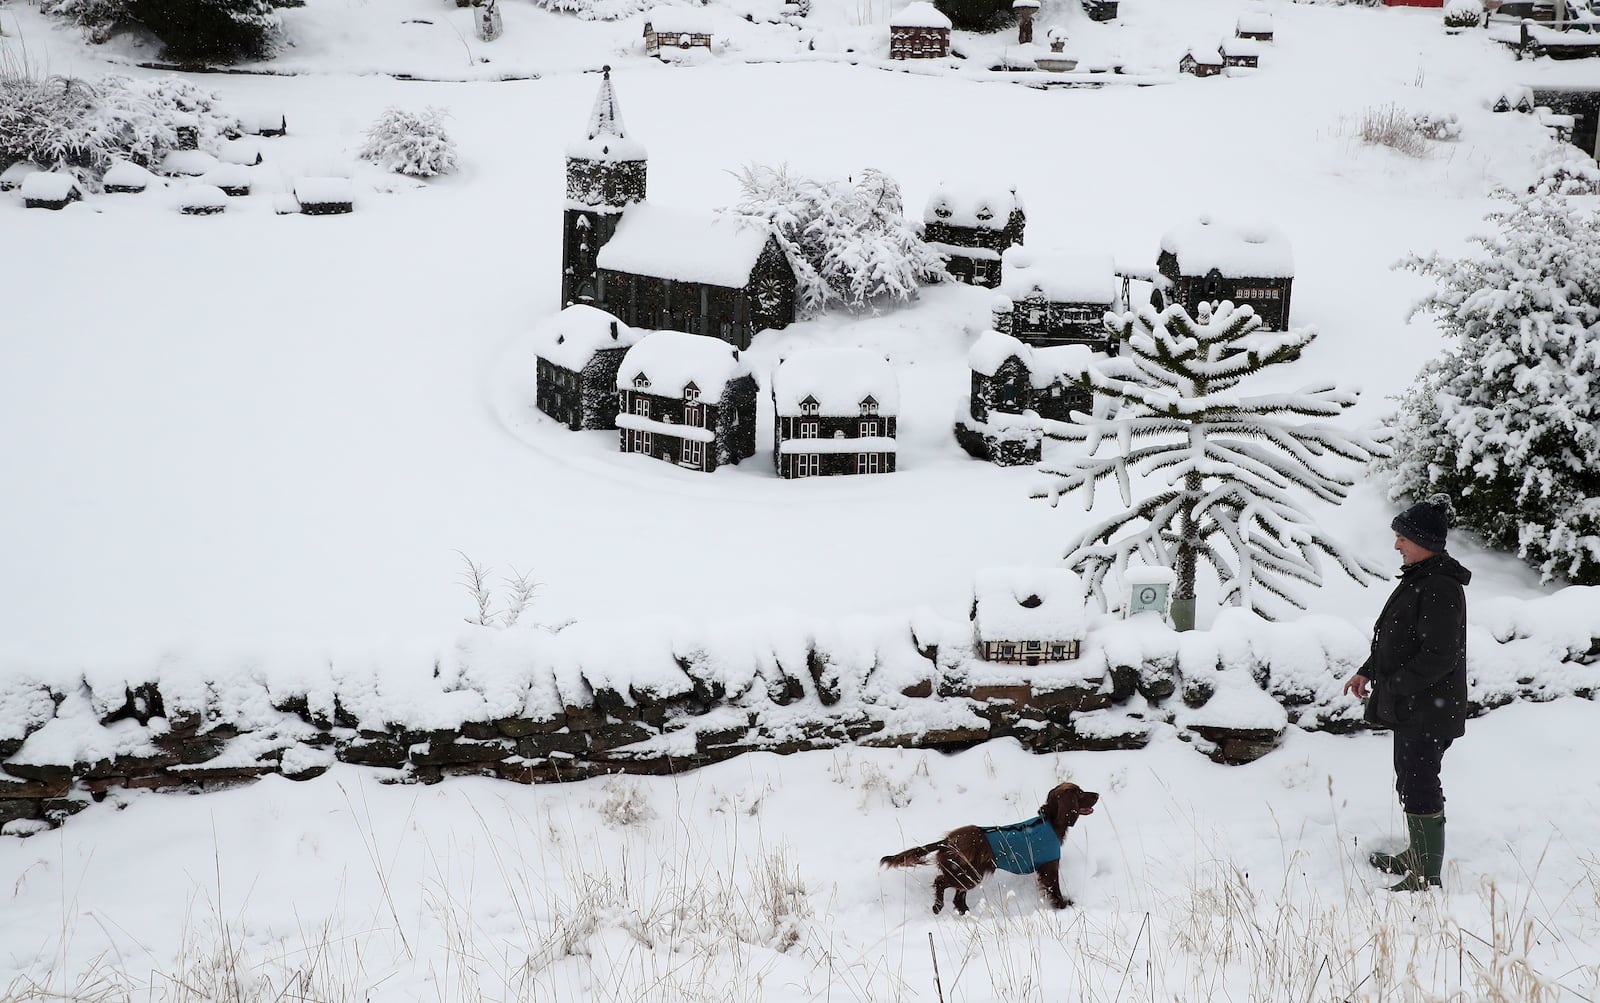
50 190
1201 63
606 173
579 353
1015 389
1057 297
836 413
686 400
676 29
1025 616
919 31
1240 53
696 271
972 230
1254 25
1205 261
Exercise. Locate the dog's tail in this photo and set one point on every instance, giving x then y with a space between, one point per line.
913 856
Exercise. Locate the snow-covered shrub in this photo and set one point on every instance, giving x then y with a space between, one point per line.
1507 421
1439 126
849 241
1391 126
63 123
626 803
597 10
1576 175
410 142
188 29
1460 14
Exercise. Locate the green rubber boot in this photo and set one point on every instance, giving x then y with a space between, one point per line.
1391 863
1424 858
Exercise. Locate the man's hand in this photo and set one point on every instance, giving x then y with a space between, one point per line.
1358 684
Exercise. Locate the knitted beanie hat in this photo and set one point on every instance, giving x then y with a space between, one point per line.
1426 522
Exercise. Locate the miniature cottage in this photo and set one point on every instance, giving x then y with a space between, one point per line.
50 190
1201 63
1205 262
262 122
1024 616
701 272
579 353
186 164
606 173
667 29
836 411
1015 389
972 230
1240 53
687 400
202 200
324 196
12 177
1100 10
919 31
1057 297
1256 25
126 178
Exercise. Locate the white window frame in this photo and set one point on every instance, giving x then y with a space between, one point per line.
868 427
868 463
693 452
807 465
808 429
694 415
641 406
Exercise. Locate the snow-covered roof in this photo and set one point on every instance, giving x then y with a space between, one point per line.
669 20
989 209
321 191
12 176
1255 22
1252 250
49 186
1058 276
1030 604
919 15
839 379
202 197
1240 47
227 176
190 162
992 349
605 138
125 174
259 120
571 337
1205 57
671 360
689 245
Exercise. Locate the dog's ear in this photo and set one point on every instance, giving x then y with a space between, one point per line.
1060 804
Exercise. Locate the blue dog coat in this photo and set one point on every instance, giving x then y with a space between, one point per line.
1022 846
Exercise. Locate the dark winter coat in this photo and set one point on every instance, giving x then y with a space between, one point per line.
1418 664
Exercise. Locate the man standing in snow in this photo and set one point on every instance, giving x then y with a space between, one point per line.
1415 683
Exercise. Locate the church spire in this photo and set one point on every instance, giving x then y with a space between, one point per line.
606 117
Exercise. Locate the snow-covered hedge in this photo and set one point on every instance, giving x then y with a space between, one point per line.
188 29
411 142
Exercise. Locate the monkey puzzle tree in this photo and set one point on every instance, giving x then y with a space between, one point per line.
1226 468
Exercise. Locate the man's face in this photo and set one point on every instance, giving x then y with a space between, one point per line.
1410 553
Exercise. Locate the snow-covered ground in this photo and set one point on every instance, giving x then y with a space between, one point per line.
244 438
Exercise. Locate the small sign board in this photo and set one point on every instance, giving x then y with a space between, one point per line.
1149 590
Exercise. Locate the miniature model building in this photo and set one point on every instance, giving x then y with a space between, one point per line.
687 400
1025 616
919 31
696 271
972 229
836 413
1207 261
668 29
1240 53
1201 63
606 173
1101 10
1255 25
50 190
1015 389
580 351
1057 297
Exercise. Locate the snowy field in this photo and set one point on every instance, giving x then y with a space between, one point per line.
251 438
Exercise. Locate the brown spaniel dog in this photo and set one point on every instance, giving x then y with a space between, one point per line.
965 856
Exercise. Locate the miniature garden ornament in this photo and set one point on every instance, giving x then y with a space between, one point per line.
1058 40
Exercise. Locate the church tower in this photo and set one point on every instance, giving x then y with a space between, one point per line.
605 175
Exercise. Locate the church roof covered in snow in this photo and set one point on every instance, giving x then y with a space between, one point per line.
1029 604
1058 276
671 360
605 138
572 337
919 15
990 209
838 379
1253 250
687 245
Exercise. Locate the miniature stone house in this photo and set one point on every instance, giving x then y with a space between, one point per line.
1057 297
579 353
1015 390
836 411
1240 53
972 230
1205 261
1100 10
50 190
12 177
696 271
681 29
1254 25
1201 63
1025 616
686 400
919 31
606 173
324 196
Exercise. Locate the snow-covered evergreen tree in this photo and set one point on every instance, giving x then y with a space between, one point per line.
1507 421
1227 468
849 241
410 142
189 29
